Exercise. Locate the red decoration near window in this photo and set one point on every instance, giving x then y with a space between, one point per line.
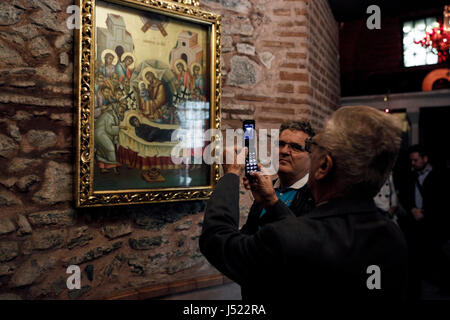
439 40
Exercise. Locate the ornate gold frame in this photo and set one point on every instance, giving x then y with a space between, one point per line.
85 43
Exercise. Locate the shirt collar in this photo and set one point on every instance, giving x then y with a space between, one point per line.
426 171
299 184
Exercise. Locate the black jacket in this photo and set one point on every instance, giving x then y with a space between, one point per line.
321 255
435 224
303 203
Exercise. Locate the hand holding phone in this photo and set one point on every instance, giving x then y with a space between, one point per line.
261 186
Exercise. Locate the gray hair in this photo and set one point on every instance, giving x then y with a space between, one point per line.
364 144
302 125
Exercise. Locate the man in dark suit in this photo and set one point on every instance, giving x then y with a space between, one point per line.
290 186
426 223
342 249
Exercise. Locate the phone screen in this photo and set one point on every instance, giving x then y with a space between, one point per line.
249 130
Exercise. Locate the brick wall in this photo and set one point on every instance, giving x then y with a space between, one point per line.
279 62
290 49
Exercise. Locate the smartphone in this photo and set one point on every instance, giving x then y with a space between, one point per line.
250 142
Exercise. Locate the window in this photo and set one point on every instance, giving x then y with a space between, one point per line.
414 54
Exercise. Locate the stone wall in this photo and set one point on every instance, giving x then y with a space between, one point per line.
279 61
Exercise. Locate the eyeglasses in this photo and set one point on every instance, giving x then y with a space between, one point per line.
308 143
295 147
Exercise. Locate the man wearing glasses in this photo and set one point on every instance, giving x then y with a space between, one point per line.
343 249
290 187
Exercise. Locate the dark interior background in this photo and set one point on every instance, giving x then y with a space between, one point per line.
435 134
371 61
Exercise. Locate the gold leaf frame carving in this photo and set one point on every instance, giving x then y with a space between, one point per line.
185 10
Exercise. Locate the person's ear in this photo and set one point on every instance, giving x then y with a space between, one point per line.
425 158
324 168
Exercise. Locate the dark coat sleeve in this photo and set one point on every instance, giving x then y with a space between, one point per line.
278 212
251 225
233 253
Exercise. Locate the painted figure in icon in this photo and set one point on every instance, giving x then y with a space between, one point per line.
184 77
105 97
109 59
106 137
150 133
124 67
199 81
153 98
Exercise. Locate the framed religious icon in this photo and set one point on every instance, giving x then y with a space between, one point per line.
148 88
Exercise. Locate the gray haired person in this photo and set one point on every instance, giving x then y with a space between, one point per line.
343 249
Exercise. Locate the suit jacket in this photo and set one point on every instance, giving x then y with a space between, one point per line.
436 221
324 254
